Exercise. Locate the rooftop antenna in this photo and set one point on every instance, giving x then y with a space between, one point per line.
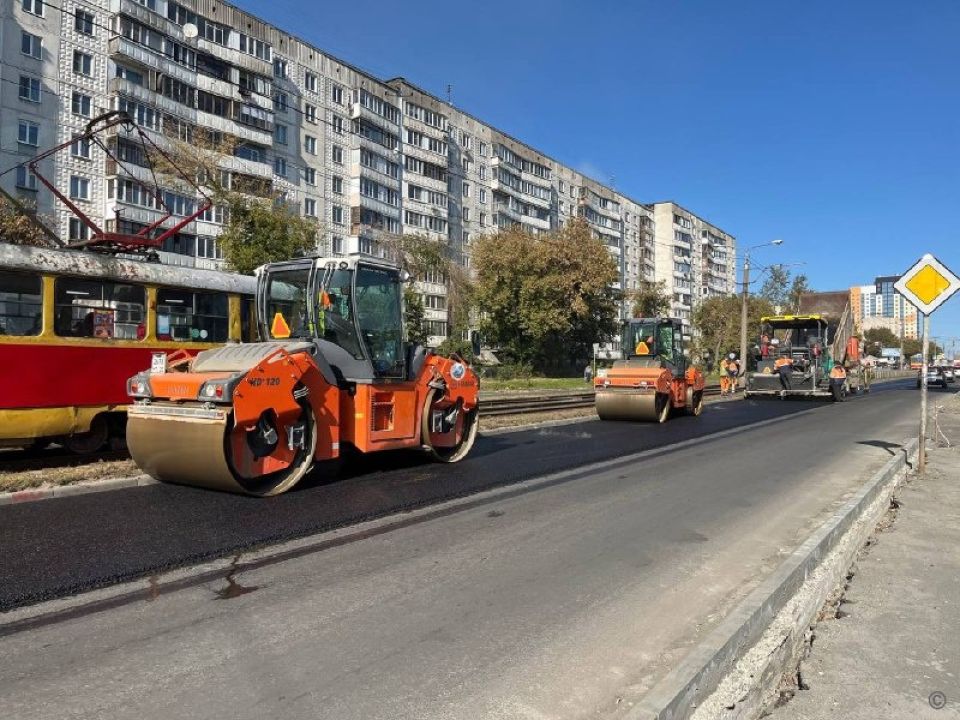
449 94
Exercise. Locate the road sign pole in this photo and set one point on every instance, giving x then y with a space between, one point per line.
922 451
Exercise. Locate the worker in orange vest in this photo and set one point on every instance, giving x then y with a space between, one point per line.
784 367
724 378
838 376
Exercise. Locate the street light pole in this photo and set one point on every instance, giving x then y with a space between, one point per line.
743 309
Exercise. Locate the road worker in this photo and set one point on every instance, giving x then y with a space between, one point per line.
724 378
784 367
838 377
733 372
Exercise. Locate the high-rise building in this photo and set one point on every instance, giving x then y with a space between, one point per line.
881 306
366 158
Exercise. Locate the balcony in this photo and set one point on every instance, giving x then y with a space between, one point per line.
147 58
508 210
359 110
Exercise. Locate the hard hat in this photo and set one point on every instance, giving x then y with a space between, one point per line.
775 341
732 356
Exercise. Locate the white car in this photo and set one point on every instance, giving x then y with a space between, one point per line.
949 373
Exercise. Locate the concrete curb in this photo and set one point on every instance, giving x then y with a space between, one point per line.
23 496
678 695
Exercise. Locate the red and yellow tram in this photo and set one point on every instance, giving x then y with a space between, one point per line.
75 325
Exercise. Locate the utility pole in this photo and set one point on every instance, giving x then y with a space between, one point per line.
743 319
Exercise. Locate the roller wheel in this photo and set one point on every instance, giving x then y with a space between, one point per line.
455 443
663 408
280 481
694 402
90 441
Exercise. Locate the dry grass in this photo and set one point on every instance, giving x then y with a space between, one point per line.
54 477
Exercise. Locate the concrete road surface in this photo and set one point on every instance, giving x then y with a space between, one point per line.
565 598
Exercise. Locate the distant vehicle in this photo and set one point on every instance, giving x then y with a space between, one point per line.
948 373
935 376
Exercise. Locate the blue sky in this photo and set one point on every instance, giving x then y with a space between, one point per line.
832 125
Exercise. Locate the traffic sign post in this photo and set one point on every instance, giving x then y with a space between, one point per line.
927 285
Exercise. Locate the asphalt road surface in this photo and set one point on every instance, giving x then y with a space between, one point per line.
567 597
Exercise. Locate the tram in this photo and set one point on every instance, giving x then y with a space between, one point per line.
75 325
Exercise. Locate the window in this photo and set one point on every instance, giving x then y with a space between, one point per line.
336 94
287 293
83 22
34 7
561 186
337 154
466 238
310 144
280 134
31 45
482 170
21 306
93 308
379 318
337 184
192 316
466 190
79 187
280 102
310 113
29 89
337 245
338 125
208 247
81 104
81 148
257 48
279 68
26 180
337 214
28 133
483 196
280 166
466 214
129 75
310 80
483 219
310 176
82 63
78 231
310 207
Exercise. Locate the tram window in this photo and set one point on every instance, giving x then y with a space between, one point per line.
21 307
247 328
192 316
92 308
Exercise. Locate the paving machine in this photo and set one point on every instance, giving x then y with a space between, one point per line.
333 372
808 347
653 378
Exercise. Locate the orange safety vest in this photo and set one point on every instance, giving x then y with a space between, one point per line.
838 373
781 361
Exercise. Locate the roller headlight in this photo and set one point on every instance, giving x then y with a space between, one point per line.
139 386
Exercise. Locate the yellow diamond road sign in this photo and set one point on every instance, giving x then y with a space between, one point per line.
928 284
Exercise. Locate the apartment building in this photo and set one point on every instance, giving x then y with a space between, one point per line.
693 258
881 306
363 157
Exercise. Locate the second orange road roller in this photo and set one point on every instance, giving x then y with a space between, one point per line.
333 372
653 378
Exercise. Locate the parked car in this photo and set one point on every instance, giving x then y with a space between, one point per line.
935 376
949 373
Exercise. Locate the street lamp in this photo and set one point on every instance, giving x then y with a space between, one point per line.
743 307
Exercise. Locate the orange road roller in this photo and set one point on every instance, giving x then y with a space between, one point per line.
653 378
333 372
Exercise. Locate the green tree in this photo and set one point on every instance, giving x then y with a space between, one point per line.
798 288
650 300
544 300
262 231
414 316
776 286
913 347
20 224
879 337
716 321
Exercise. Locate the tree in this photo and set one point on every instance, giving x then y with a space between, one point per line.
261 231
20 225
650 300
414 316
717 322
261 226
913 347
798 288
776 286
879 337
544 300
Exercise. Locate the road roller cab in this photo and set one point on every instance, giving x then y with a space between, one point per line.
333 372
653 378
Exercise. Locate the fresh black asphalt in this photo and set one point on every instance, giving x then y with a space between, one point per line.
63 546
